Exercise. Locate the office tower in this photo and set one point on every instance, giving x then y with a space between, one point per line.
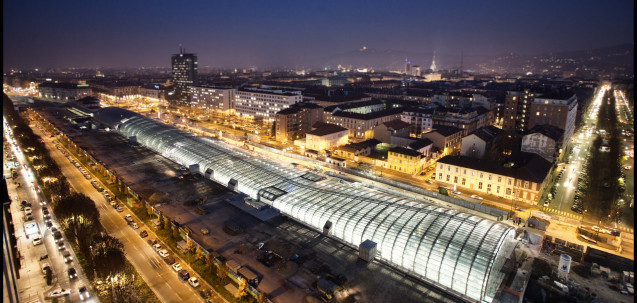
184 75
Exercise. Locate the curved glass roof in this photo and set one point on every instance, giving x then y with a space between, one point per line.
456 251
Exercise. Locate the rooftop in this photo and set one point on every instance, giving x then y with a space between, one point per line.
527 166
396 124
322 129
420 144
369 116
64 85
550 131
405 151
487 133
446 130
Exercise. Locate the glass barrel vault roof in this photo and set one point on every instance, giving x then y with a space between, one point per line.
456 251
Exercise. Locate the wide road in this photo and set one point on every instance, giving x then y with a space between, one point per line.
32 285
581 141
158 275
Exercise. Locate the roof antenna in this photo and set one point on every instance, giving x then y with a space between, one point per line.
181 51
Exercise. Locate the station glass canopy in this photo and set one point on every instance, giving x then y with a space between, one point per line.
458 252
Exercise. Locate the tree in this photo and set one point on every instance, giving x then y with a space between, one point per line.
241 290
166 222
48 275
176 234
189 245
149 210
262 298
222 270
273 130
199 253
108 255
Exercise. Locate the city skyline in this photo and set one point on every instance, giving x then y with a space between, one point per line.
226 35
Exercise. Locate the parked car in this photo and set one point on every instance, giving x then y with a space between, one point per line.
72 273
163 253
143 234
169 260
157 246
67 256
60 292
184 275
134 225
61 245
37 240
176 267
83 292
27 211
476 197
44 267
205 231
194 282
152 242
128 218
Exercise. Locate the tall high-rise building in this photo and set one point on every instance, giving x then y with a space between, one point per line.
184 75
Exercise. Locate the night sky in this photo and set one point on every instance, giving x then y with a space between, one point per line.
113 33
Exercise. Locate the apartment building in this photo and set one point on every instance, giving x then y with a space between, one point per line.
523 181
405 160
295 121
325 136
219 99
264 102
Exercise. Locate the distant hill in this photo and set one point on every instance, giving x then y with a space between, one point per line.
619 59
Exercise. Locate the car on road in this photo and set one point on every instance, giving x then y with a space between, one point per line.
194 282
44 267
143 234
37 240
476 197
627 167
83 292
60 292
176 267
72 273
163 253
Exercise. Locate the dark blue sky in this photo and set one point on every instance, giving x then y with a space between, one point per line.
118 33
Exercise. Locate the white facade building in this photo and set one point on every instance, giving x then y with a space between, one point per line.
219 99
264 102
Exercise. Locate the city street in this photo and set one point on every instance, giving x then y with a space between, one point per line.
158 275
32 285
